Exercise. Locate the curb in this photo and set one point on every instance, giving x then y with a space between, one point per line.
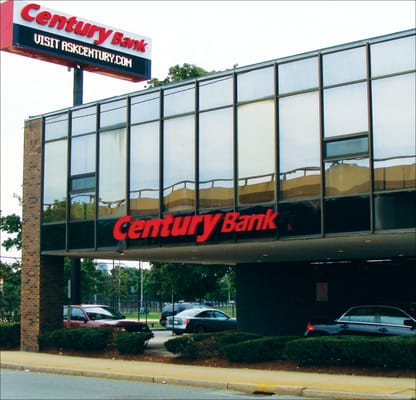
253 389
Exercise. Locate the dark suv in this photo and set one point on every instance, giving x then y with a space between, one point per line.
176 308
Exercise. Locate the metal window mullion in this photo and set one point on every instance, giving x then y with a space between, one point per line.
68 179
321 132
370 137
161 152
235 140
277 135
196 135
128 154
97 171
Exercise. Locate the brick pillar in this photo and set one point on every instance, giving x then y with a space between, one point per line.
42 276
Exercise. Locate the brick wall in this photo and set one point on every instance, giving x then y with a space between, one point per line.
42 276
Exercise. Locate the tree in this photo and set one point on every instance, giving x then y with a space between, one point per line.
192 282
179 73
10 291
12 225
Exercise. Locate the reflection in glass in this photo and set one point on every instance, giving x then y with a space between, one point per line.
83 154
255 84
145 107
82 206
114 113
144 169
344 66
56 126
347 214
393 56
346 147
84 120
298 75
299 218
179 100
346 177
216 159
394 138
54 182
256 152
179 164
299 147
345 110
395 210
112 177
216 92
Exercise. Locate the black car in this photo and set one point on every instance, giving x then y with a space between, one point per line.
198 320
371 320
173 309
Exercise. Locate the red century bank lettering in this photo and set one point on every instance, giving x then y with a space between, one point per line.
203 226
72 24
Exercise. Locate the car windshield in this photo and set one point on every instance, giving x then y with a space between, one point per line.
98 312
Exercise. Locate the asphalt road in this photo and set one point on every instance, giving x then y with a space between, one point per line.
26 385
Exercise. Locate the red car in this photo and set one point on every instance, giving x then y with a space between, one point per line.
99 316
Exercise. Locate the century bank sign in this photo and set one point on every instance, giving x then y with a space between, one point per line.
35 31
200 226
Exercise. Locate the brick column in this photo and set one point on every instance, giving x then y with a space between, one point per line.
42 276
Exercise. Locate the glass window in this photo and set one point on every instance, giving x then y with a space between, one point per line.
298 75
113 114
256 152
395 210
347 214
179 164
346 147
84 120
83 205
145 107
346 177
255 84
393 56
54 181
345 110
216 92
216 143
179 100
83 183
394 138
299 147
112 173
299 218
144 169
344 66
83 154
56 126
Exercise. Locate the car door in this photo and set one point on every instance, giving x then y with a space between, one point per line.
359 321
221 321
77 317
392 322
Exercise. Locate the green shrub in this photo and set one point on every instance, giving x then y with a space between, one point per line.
84 339
132 343
382 352
258 350
205 345
9 335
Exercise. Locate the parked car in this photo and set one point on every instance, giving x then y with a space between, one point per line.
198 320
371 320
173 309
97 316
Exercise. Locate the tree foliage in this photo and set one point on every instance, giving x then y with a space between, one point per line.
178 73
191 282
10 291
12 225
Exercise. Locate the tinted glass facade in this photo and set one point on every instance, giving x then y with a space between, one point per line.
327 139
